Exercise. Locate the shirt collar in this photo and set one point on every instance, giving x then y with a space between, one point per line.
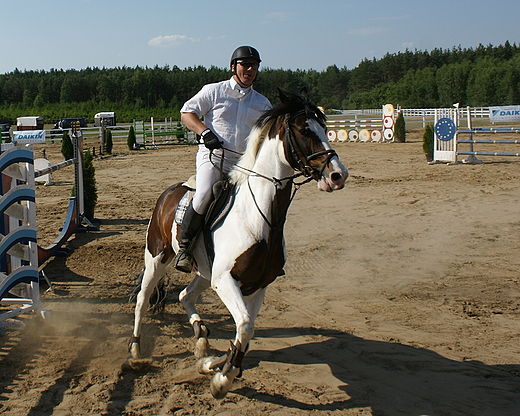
236 87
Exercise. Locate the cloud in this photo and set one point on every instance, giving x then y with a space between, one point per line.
217 37
275 17
170 40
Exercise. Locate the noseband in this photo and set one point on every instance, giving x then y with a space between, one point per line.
300 160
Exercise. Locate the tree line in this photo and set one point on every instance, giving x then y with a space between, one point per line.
482 76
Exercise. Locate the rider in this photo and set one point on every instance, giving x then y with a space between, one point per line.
229 109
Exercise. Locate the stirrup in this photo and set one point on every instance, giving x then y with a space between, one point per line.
183 262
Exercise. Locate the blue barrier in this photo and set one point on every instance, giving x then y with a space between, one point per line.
20 255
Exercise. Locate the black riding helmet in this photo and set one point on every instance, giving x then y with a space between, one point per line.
244 52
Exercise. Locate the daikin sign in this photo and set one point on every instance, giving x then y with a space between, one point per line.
29 136
505 113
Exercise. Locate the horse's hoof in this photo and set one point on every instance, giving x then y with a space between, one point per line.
220 384
135 350
45 314
201 348
205 365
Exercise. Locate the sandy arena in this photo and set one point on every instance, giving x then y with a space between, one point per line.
401 297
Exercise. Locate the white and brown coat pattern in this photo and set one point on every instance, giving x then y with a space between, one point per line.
249 244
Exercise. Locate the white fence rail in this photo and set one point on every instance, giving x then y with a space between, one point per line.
414 117
93 136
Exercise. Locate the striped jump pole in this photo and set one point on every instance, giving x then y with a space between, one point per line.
20 256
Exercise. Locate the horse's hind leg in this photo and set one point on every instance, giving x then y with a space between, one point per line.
154 270
188 297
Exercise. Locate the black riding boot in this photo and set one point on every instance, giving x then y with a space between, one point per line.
191 225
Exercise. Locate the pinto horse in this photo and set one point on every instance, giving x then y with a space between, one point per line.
248 248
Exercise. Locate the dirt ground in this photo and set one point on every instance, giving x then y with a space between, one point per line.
401 298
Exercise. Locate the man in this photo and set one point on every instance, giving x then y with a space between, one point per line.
229 109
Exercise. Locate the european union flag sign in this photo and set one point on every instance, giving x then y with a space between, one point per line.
445 129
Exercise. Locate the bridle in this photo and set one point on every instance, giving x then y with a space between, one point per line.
300 161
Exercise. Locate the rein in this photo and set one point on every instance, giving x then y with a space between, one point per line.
277 183
300 163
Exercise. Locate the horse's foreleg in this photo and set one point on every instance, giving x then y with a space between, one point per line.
153 271
188 297
244 312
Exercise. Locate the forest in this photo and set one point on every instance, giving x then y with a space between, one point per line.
481 76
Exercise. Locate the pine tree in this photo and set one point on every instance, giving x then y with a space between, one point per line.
89 184
131 138
428 137
67 148
109 142
400 128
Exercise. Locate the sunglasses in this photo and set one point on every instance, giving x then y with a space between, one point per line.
247 64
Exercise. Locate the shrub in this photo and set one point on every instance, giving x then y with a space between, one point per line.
67 148
131 138
428 137
400 128
89 184
109 144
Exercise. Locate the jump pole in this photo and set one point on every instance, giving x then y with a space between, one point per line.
20 255
447 140
471 154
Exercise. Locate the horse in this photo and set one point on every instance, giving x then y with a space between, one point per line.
243 251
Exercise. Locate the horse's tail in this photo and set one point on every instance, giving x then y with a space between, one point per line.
158 297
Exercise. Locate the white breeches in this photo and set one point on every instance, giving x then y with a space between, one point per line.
208 173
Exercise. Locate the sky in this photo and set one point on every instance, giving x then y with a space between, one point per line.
289 34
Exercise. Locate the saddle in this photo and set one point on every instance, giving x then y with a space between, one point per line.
223 198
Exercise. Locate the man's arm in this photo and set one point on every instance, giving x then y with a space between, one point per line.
191 120
211 141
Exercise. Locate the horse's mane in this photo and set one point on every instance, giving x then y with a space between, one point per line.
290 104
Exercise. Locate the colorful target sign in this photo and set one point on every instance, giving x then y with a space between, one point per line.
376 135
364 135
388 110
388 134
388 122
342 135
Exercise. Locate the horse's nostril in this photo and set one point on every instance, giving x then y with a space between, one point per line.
335 177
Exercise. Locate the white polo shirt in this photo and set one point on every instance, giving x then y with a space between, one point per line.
228 110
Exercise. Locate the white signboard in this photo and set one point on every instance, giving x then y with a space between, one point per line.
29 136
505 113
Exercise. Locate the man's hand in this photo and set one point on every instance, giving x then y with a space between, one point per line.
211 141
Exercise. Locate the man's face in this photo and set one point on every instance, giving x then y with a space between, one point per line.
245 70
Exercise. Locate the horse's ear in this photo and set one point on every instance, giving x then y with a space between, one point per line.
286 101
304 93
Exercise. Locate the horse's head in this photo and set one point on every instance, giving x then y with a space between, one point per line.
306 145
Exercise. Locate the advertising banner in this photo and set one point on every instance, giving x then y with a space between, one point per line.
504 113
29 136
